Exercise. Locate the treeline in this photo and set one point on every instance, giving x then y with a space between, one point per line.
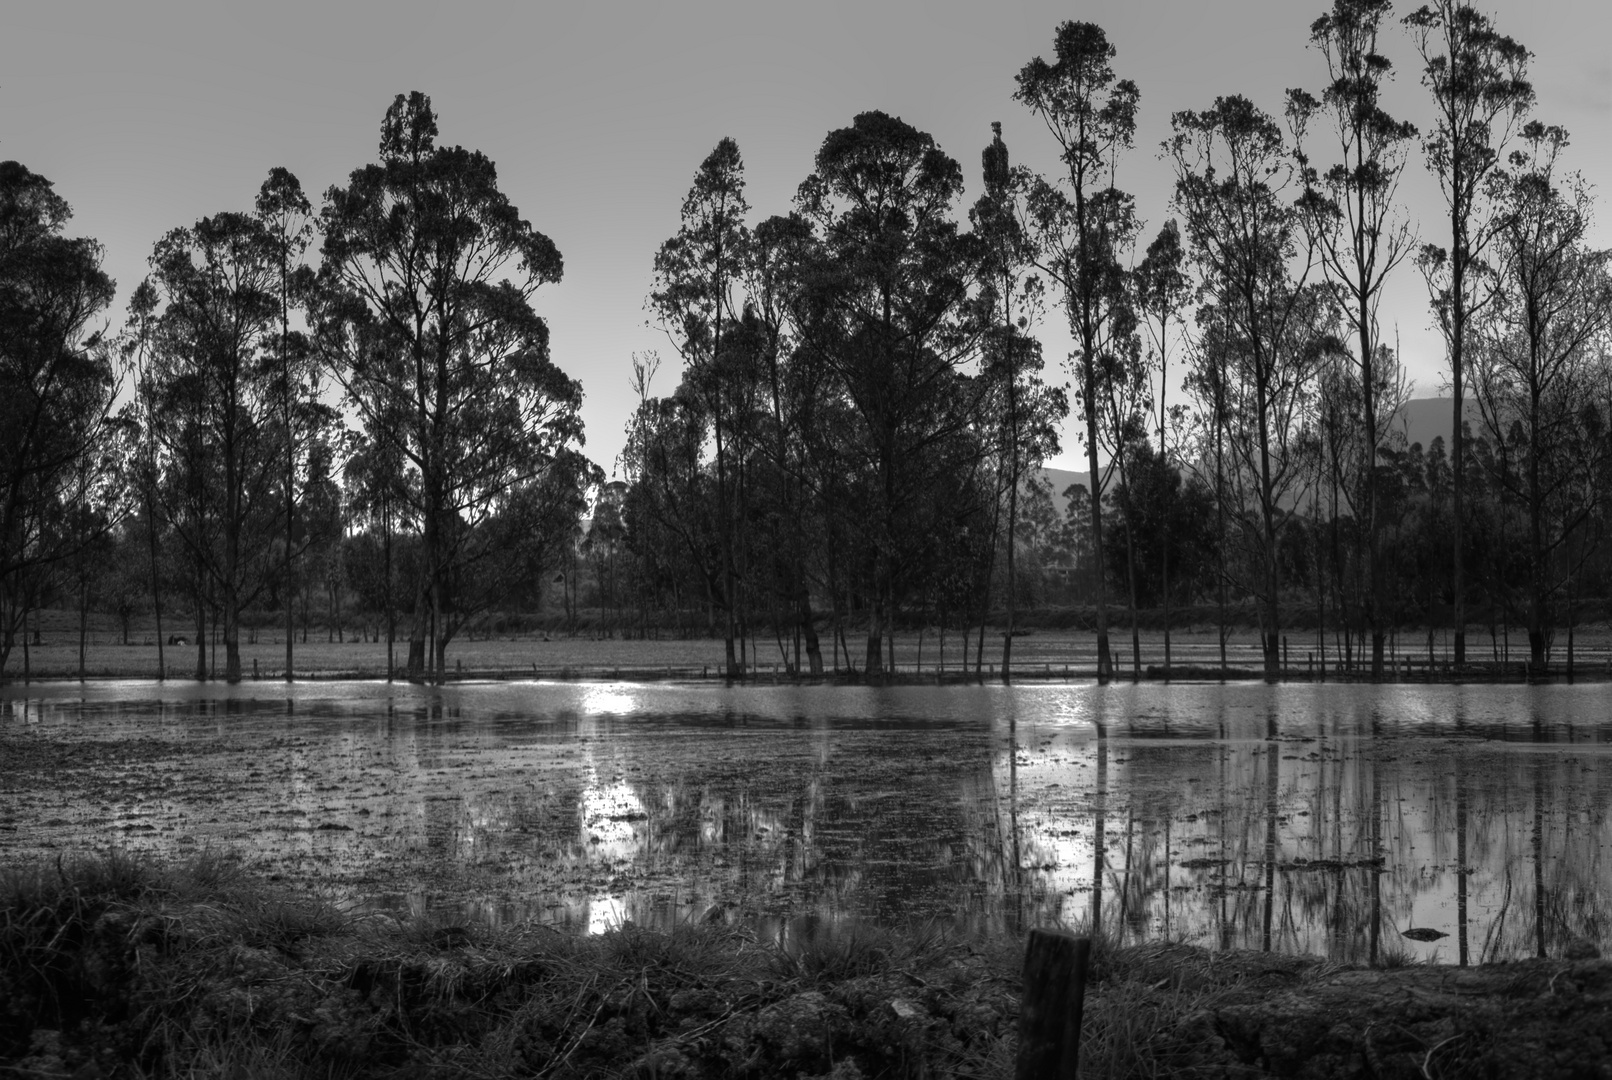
864 407
270 427
863 400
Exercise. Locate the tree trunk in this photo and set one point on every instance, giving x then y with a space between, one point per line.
201 637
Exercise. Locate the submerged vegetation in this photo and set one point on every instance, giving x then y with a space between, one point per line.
114 967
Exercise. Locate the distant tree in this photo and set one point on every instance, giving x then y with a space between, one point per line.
57 388
1350 206
429 274
1080 226
1167 513
1478 80
1542 374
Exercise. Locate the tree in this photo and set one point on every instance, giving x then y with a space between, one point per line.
57 388
1091 114
429 273
1167 514
1542 373
1161 287
882 308
1010 299
1478 80
212 406
695 273
287 220
1234 179
1349 207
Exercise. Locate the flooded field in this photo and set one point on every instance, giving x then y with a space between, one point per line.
1325 819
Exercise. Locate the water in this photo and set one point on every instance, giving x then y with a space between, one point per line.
1325 819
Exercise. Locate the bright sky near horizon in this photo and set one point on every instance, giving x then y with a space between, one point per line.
148 116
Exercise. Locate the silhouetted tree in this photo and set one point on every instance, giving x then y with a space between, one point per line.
430 274
1080 224
1350 208
1542 374
57 388
1478 80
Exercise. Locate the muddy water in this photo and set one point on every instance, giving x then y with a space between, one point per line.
1324 819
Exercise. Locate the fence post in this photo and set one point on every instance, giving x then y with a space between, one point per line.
1053 999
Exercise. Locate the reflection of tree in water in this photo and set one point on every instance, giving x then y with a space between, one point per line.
1314 819
1332 831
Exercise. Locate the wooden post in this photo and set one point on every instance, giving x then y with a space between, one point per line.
1053 999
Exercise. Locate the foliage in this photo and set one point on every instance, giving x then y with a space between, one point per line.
428 275
60 446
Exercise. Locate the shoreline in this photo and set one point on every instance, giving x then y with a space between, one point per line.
1471 674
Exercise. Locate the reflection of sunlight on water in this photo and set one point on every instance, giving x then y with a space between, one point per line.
611 815
1303 818
606 913
617 700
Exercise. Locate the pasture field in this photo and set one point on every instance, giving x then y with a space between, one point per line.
1039 654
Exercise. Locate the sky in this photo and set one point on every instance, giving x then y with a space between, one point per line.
148 116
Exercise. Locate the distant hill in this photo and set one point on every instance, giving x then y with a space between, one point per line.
1420 420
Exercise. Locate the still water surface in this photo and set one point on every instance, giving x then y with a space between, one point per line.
1325 819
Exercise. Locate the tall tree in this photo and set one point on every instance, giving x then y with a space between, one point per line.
1350 206
57 385
288 222
1235 186
1478 79
214 404
1091 114
1010 300
695 275
1162 286
883 309
430 273
1542 373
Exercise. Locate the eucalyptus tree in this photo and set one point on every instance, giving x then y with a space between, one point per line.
1350 206
1478 80
428 278
1010 300
779 247
1162 287
1236 188
288 222
884 313
696 272
1081 225
1542 374
212 406
58 386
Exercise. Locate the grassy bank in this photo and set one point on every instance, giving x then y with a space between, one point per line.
111 967
1037 654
